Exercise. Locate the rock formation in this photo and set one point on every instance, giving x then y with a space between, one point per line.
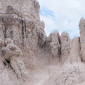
82 33
11 54
29 57
72 72
65 46
55 47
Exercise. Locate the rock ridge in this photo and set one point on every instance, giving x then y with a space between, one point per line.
29 57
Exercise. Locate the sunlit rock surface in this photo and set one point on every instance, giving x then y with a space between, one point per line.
29 57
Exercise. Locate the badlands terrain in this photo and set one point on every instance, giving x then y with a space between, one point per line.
29 57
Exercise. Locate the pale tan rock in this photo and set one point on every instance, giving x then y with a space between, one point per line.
65 46
19 67
29 57
12 54
72 70
82 37
55 47
75 50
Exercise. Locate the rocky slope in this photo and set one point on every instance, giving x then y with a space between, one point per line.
29 57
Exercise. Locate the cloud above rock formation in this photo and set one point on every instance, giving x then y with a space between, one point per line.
62 15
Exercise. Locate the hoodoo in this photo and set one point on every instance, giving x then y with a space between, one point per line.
29 57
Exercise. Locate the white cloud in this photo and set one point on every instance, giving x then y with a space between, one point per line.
67 15
50 25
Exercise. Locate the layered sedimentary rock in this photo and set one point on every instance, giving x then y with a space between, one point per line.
29 57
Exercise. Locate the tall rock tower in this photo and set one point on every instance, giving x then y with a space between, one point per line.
21 33
29 57
82 35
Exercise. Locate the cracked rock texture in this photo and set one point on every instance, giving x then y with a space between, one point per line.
29 57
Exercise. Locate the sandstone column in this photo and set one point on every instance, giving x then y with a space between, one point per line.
75 50
55 47
82 37
65 46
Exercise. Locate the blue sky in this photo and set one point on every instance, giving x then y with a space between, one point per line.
62 15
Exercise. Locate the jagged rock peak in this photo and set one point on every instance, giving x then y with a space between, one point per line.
65 46
82 38
55 46
29 57
75 50
26 8
82 21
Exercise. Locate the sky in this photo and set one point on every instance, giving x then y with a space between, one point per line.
62 15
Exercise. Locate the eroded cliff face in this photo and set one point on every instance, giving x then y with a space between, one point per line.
29 57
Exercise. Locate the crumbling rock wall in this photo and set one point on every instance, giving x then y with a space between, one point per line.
29 57
11 54
72 72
